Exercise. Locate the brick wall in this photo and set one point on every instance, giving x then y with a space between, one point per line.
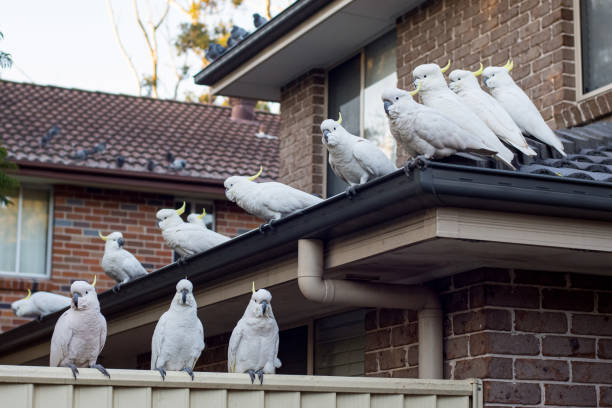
537 34
536 338
79 213
301 150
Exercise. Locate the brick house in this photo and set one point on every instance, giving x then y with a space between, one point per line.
65 199
515 263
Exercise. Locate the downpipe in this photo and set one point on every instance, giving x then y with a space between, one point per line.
377 295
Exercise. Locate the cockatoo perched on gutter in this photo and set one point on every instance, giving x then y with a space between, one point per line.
465 84
436 95
270 201
39 304
80 333
519 106
185 238
178 339
118 263
197 219
354 159
425 132
253 346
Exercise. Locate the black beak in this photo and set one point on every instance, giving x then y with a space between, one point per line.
326 135
264 306
75 300
120 242
387 105
185 291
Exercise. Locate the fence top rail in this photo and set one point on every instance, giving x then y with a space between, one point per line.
206 380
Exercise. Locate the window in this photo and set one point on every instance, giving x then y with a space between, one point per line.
594 52
354 89
339 347
25 236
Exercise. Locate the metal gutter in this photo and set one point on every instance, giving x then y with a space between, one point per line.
258 40
397 194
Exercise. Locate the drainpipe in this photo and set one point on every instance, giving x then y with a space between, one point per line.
378 295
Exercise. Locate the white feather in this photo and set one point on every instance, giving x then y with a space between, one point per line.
118 263
40 304
185 238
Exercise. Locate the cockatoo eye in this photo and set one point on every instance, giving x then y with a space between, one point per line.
397 98
86 292
458 79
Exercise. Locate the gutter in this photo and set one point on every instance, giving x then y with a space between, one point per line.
274 29
396 194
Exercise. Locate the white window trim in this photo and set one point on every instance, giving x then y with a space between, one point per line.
580 96
49 257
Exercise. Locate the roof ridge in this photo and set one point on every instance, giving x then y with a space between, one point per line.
149 98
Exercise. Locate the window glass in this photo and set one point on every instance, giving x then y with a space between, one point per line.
8 235
34 231
340 344
596 43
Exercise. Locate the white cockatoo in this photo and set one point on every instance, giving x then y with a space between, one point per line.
354 159
253 346
197 219
80 333
425 132
270 201
39 304
435 94
465 84
178 339
519 106
118 263
185 238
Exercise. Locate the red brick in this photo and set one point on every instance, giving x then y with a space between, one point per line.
378 339
456 347
539 277
504 295
485 319
503 343
605 396
393 358
536 369
604 302
511 393
455 301
598 325
592 372
481 275
561 299
567 346
412 372
570 395
604 348
540 322
390 317
404 335
484 367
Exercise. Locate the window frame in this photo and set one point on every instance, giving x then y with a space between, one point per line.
580 96
50 226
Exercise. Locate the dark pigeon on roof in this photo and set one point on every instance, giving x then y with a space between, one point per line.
151 165
120 161
178 164
169 157
214 51
54 131
231 42
259 20
238 33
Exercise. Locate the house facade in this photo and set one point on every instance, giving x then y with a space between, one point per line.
50 236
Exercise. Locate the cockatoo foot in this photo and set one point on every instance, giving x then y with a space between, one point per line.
162 372
269 226
101 369
74 369
411 164
351 192
116 288
39 318
251 374
260 376
188 371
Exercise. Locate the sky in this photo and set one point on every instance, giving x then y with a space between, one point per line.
70 43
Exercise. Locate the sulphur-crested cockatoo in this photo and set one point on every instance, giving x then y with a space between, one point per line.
436 94
465 84
425 132
270 201
39 304
253 346
197 219
354 159
519 106
185 238
80 333
178 339
118 263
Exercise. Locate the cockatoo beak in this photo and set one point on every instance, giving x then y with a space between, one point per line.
387 106
120 242
326 135
184 292
75 300
264 306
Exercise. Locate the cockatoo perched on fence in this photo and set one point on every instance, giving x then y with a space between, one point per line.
425 132
465 84
80 333
436 95
118 263
253 346
39 304
354 159
185 238
270 201
178 339
197 219
519 106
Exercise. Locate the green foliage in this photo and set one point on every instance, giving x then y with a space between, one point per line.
192 37
8 185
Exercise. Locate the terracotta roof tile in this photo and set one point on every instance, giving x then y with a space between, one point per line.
139 129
